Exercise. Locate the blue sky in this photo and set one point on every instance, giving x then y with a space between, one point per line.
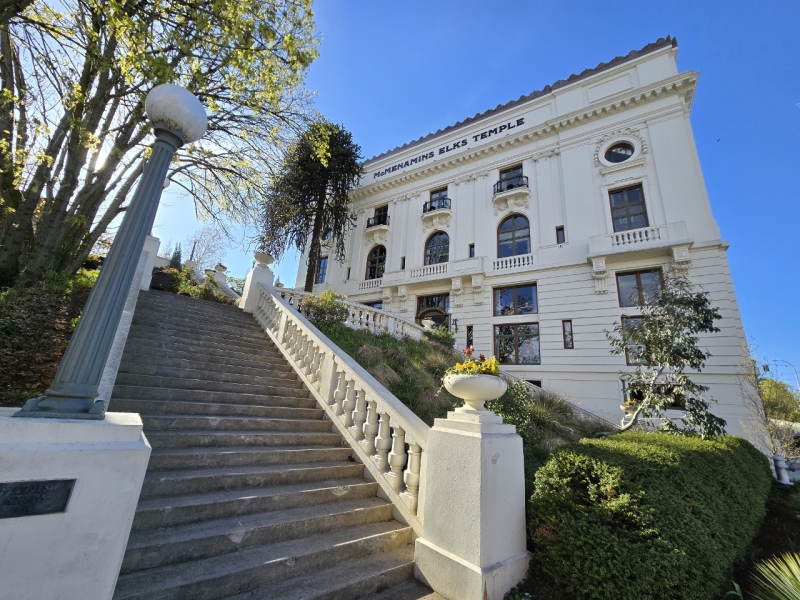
393 71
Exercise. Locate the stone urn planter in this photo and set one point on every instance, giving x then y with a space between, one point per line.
474 390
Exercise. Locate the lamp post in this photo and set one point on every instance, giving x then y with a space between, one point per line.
797 379
178 118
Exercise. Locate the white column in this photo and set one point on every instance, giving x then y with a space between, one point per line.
473 547
151 245
261 274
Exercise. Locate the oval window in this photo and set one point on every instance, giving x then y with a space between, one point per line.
619 153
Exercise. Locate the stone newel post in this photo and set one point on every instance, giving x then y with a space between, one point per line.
261 274
178 118
473 547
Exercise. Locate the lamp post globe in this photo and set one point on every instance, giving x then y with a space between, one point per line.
178 118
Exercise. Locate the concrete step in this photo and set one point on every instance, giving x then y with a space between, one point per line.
186 303
153 423
274 387
156 313
199 481
194 508
197 458
347 580
191 541
245 569
255 377
203 330
172 407
200 346
219 335
211 364
216 439
410 589
284 397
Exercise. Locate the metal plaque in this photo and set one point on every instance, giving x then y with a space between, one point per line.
29 498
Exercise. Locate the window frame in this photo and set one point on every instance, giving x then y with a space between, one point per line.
614 145
639 286
472 251
628 362
322 272
515 327
426 255
514 238
563 236
569 338
470 338
381 266
643 202
516 312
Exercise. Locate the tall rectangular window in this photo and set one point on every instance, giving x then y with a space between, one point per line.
323 269
517 344
348 272
520 300
402 263
566 330
634 352
627 209
637 287
472 250
560 239
470 337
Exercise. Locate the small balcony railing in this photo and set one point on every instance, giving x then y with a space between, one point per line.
511 183
437 204
377 220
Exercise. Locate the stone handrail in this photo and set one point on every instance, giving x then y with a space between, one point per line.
362 316
513 262
375 424
581 413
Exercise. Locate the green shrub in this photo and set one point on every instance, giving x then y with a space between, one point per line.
442 335
326 308
647 515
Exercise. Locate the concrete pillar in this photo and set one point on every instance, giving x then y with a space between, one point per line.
261 274
473 547
151 245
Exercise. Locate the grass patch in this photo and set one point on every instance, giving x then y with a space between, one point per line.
411 370
36 324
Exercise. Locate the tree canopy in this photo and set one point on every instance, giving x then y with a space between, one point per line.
662 341
308 195
73 137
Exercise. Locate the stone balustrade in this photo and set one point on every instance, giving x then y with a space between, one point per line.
513 262
362 316
369 284
428 270
385 435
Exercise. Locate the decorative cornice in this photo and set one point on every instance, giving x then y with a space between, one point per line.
682 84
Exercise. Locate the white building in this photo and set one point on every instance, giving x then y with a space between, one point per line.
527 227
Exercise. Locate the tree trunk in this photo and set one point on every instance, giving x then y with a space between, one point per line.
314 250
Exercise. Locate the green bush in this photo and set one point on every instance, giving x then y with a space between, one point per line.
326 308
441 334
647 515
182 283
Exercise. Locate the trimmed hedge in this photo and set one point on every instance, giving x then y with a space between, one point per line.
647 515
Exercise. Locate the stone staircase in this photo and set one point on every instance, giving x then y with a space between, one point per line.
248 493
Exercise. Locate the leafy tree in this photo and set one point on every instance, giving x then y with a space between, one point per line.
771 404
208 246
73 135
663 343
176 261
308 196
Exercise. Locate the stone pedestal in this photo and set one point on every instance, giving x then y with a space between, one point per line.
151 245
474 542
261 274
75 554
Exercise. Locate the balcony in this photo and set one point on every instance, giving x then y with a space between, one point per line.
514 263
511 193
377 230
437 272
377 221
370 284
647 241
436 213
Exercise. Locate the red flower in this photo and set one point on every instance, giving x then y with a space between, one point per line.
482 357
468 352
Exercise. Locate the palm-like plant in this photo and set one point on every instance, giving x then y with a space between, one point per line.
779 578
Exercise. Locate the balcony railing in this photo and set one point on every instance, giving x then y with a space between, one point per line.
428 270
437 204
377 220
510 183
513 262
370 284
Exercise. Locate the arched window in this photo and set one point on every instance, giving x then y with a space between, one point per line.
376 263
437 248
513 237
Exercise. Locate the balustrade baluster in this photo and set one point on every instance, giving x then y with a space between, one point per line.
339 394
359 416
383 443
370 428
411 477
311 351
349 404
301 355
397 459
316 368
